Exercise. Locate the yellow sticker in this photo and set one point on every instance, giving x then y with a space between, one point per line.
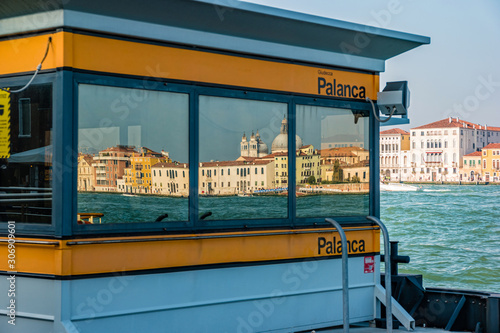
4 124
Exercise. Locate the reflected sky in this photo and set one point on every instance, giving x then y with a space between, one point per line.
223 121
110 115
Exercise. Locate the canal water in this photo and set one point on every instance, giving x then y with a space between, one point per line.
451 233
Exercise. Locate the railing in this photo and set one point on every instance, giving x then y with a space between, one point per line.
345 273
25 204
387 255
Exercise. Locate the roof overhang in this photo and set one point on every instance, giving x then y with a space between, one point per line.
231 25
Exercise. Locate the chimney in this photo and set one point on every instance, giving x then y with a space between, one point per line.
449 120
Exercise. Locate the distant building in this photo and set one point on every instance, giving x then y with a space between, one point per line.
471 170
170 179
109 166
138 177
235 177
86 173
280 142
308 165
253 148
279 163
437 148
394 148
344 163
490 162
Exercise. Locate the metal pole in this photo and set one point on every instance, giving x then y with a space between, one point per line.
345 274
388 287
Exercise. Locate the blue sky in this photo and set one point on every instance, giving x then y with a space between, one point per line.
457 75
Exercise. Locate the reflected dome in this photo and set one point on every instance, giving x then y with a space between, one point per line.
280 142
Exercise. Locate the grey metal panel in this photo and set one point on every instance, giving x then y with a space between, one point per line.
233 25
31 22
37 304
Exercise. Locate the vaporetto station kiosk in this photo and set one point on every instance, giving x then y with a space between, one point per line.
188 166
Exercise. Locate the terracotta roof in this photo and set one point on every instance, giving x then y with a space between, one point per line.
276 154
234 163
130 149
305 146
171 165
492 146
456 122
89 159
476 153
395 131
247 158
364 163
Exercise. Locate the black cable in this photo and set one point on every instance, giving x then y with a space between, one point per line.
375 113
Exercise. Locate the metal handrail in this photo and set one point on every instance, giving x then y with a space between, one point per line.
388 286
345 273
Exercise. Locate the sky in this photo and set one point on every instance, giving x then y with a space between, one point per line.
457 75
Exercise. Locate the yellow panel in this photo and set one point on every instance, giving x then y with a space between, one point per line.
155 61
4 124
183 251
24 54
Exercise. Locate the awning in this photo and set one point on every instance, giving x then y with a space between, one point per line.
38 155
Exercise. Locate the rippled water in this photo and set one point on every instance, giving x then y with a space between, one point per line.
451 233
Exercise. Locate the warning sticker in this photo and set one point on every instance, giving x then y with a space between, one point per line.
369 264
4 124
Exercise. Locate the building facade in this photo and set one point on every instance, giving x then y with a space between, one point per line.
471 169
393 160
490 162
109 166
86 173
437 149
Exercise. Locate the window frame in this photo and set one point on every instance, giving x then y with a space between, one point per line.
46 229
195 91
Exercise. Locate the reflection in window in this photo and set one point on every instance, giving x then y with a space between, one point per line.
243 170
132 155
332 173
26 155
24 117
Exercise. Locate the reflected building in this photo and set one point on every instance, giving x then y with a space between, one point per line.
86 173
109 166
138 178
170 179
308 165
253 148
345 164
235 177
280 142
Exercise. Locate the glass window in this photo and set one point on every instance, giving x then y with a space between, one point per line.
136 130
334 180
26 155
224 141
24 117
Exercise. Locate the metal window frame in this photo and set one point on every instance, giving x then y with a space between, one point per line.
65 140
55 79
22 118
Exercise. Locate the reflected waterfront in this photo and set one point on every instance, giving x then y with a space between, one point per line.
118 208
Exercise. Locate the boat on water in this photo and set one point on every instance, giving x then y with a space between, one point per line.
129 195
245 195
399 187
188 75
